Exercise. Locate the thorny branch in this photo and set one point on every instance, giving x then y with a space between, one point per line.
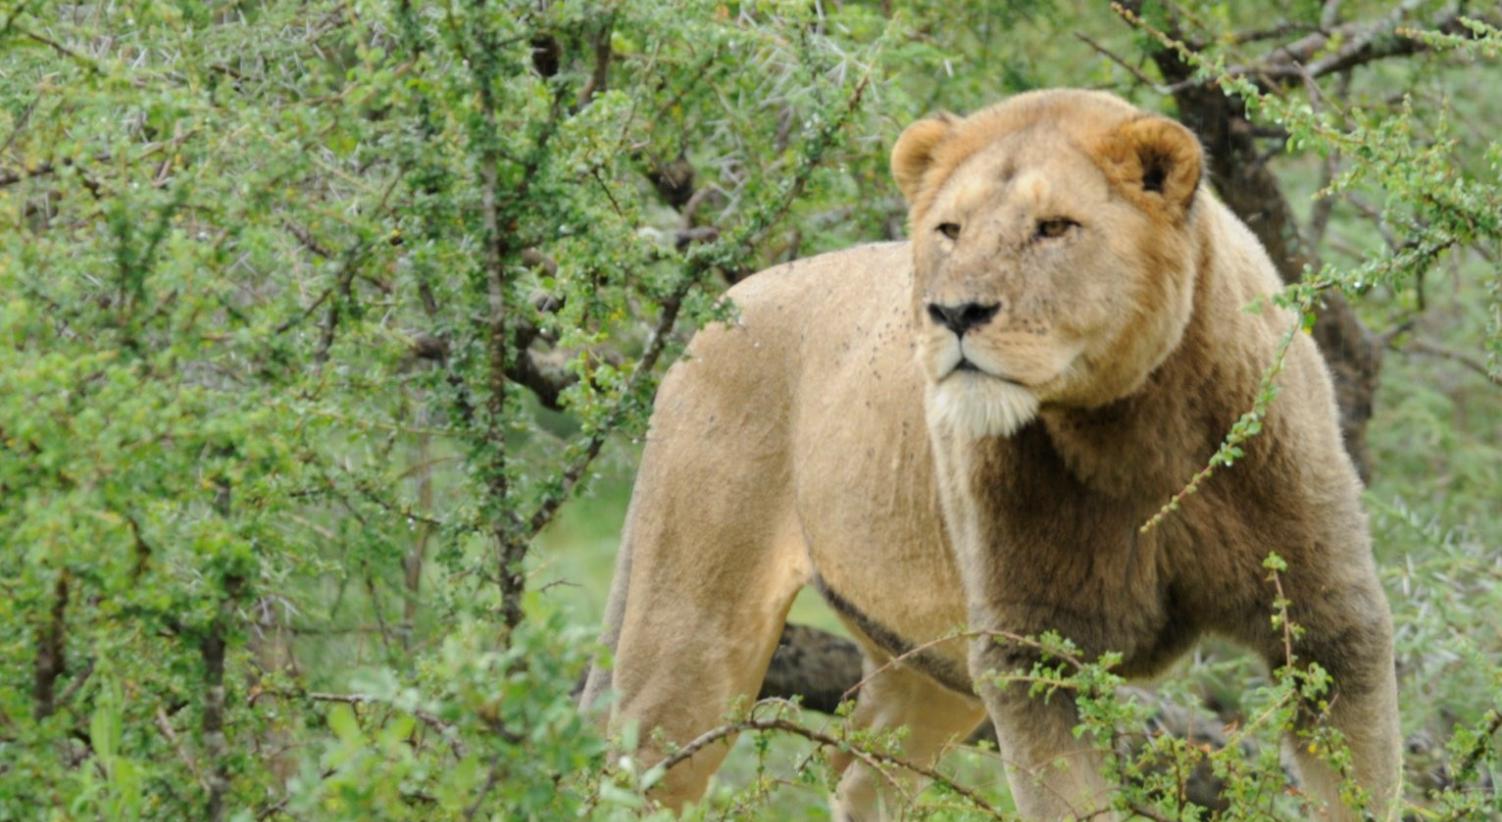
353 257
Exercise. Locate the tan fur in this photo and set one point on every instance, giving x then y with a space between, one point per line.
825 437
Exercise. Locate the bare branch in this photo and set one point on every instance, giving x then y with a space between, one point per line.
1359 43
1329 15
1118 60
342 292
644 366
1483 740
1430 349
75 683
1324 203
77 57
872 758
1272 32
307 239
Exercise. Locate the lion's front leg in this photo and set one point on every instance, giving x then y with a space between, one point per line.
1368 719
1053 774
1347 631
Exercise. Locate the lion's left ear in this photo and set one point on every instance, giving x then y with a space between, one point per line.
1157 158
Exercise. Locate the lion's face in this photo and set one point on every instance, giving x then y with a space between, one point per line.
1051 253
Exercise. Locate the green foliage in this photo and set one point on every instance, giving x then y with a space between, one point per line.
314 315
270 276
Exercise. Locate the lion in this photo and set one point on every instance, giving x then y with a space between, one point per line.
968 429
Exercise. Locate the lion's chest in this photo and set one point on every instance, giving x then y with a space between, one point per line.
1041 551
1099 593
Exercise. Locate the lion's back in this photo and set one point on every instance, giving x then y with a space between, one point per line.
795 327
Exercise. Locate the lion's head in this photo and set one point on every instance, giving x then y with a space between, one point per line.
1052 252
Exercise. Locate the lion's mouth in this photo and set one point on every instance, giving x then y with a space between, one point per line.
968 366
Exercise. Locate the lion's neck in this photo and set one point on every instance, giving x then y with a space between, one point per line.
1150 443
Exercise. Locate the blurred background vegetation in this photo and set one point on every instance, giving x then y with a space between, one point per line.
328 330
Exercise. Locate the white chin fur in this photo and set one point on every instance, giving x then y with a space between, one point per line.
973 406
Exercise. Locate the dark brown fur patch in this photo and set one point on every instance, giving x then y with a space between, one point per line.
937 668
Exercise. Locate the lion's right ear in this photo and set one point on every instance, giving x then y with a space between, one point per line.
914 152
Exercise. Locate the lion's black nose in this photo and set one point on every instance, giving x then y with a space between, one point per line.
963 317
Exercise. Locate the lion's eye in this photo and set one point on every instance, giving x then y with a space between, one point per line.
950 230
1055 227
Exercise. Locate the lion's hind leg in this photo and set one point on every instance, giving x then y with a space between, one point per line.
933 718
695 641
712 559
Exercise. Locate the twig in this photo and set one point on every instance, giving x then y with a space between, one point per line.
431 720
1281 604
1424 347
1241 38
1483 740
1329 15
600 75
1018 639
1374 214
81 59
375 606
75 683
212 648
575 471
21 122
1113 57
304 314
1245 427
1324 204
354 256
164 725
307 239
870 757
1360 43
493 774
